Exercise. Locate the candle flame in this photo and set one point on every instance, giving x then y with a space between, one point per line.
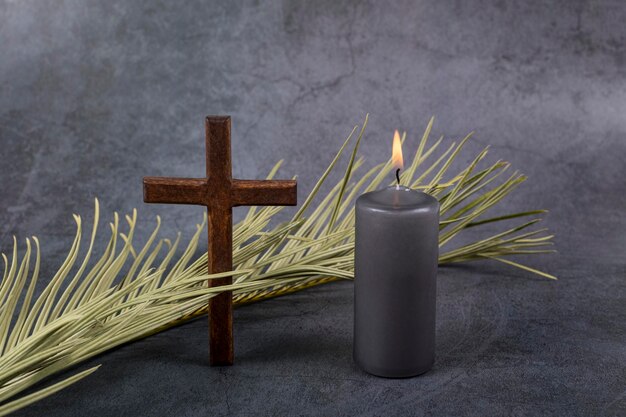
396 154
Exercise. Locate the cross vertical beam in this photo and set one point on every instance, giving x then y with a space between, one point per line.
220 226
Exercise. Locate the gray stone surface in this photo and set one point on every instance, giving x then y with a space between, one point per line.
96 94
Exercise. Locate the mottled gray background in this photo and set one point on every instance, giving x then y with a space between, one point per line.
96 94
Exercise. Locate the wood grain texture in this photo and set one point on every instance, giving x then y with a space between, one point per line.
220 226
264 193
175 190
219 192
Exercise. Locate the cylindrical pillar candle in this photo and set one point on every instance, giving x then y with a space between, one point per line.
396 254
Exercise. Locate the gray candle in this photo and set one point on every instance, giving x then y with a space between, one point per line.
396 254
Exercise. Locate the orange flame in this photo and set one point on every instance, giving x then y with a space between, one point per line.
396 154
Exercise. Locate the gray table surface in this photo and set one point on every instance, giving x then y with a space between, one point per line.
96 94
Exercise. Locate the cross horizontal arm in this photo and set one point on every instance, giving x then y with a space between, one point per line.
175 190
264 193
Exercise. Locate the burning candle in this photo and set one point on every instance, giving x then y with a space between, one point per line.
396 254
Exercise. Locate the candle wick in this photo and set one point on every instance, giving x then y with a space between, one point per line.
398 175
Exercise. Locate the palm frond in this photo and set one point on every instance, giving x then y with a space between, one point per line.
97 307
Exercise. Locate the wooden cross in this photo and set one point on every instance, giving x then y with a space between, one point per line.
219 192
